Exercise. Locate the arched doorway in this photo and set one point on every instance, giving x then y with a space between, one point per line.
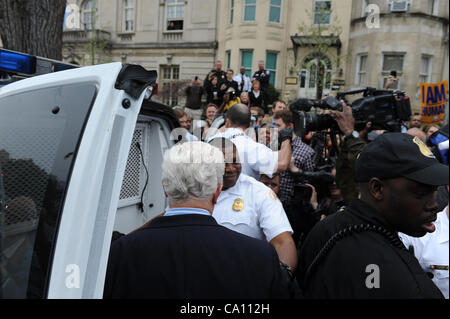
315 76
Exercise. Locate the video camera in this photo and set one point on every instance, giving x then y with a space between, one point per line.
385 109
321 179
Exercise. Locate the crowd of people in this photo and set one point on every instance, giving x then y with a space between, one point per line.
225 88
268 213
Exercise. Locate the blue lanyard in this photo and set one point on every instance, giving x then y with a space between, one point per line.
186 211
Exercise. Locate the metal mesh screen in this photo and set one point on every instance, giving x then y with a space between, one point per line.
132 178
25 177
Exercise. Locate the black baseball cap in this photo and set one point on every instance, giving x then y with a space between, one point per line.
394 155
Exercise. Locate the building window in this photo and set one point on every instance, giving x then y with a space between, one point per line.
247 61
393 62
228 59
275 11
425 69
322 12
170 84
433 6
250 10
175 15
271 65
128 15
399 6
89 10
361 71
231 11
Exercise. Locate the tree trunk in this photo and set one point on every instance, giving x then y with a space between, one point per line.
33 26
320 79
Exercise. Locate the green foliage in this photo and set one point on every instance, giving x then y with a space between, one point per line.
321 35
272 94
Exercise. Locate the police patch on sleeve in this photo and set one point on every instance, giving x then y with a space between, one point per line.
273 196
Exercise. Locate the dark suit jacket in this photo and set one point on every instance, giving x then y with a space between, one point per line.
191 256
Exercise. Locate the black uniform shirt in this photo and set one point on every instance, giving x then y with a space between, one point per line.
363 265
263 76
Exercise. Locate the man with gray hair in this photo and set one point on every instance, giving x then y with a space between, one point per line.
418 133
185 254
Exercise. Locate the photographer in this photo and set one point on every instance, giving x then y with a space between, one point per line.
229 99
213 93
194 93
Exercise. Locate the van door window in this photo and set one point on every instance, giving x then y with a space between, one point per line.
40 132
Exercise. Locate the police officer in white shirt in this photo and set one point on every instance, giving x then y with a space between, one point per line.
251 208
243 80
255 157
432 251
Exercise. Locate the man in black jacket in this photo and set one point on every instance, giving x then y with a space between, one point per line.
194 93
357 253
185 254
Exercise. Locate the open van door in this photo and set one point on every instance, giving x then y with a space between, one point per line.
64 143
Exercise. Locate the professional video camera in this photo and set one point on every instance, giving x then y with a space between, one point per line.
302 215
321 179
385 109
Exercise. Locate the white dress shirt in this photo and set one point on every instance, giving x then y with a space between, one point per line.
251 208
247 82
256 158
431 251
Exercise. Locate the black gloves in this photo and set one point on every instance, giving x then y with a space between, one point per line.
285 134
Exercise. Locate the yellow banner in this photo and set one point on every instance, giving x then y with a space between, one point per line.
433 99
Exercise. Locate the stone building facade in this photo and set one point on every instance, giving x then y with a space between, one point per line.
269 30
411 38
175 37
182 39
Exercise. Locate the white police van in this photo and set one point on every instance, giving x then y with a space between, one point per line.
80 156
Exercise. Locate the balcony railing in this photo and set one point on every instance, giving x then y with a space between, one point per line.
76 36
171 36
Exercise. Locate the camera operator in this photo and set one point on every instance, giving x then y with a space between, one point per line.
302 155
352 145
305 193
348 128
315 197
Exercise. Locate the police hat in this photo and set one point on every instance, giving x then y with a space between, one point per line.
394 155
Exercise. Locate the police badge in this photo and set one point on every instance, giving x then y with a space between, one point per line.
238 205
